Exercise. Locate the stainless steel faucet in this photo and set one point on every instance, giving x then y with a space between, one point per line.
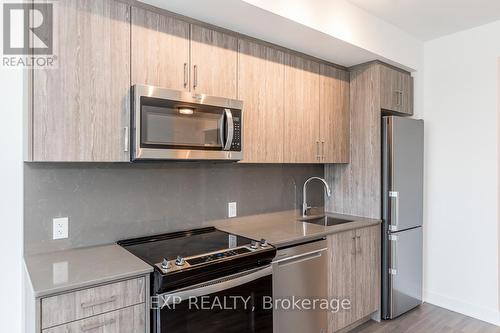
305 207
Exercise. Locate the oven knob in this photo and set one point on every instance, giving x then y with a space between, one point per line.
253 245
165 264
263 243
179 261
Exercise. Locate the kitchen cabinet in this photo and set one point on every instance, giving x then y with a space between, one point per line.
296 109
358 185
214 62
261 73
342 276
334 115
396 90
354 274
302 113
162 47
80 109
128 320
160 50
368 255
119 306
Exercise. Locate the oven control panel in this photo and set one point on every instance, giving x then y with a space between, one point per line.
216 256
169 266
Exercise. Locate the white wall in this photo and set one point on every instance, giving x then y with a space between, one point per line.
461 119
11 200
343 20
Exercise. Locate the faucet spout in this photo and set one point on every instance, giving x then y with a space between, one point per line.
305 206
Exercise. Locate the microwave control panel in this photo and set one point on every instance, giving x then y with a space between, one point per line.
236 145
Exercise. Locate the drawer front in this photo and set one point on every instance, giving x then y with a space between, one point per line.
61 309
127 320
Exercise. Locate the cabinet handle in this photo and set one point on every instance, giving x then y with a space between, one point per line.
185 75
317 150
195 76
92 327
323 150
399 97
101 302
354 247
126 139
358 244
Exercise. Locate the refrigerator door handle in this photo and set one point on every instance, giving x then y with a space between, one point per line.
393 270
394 196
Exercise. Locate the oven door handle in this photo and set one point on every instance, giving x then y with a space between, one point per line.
229 128
210 287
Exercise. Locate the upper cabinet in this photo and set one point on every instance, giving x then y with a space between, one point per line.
160 50
261 76
81 108
214 62
334 115
396 90
302 138
296 109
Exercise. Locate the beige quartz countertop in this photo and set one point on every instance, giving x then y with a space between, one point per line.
283 229
61 271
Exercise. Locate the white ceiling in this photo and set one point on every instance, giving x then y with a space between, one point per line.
430 19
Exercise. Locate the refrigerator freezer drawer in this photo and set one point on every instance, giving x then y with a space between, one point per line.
405 271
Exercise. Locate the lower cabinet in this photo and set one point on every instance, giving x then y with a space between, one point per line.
127 320
354 275
116 307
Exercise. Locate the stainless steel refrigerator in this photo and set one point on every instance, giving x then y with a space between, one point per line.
402 213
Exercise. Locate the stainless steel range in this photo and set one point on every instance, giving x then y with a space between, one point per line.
206 280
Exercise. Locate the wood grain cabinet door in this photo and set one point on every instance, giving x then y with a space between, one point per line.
214 59
81 108
261 78
391 86
160 50
368 255
301 110
342 277
407 96
396 90
127 320
334 115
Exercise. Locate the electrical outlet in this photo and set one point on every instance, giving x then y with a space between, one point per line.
231 209
60 228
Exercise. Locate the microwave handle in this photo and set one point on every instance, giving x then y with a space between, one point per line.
229 129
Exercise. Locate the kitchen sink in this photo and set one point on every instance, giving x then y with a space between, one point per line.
326 220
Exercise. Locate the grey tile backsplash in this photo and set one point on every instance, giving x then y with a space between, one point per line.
109 202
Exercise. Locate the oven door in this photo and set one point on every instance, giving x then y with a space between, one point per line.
241 303
170 124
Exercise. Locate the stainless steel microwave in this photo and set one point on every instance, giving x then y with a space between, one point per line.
177 125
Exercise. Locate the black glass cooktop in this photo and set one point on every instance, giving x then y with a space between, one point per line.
186 244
